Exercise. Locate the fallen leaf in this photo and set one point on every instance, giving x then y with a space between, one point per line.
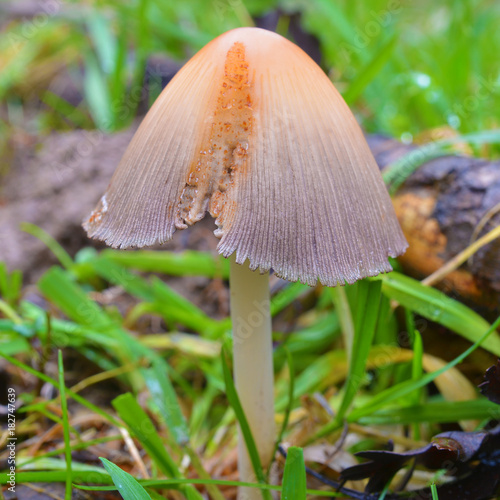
491 385
472 458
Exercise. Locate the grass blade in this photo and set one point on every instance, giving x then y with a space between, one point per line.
294 476
58 476
434 492
433 412
65 420
97 94
436 306
366 321
10 284
417 371
289 406
332 14
164 397
58 287
127 485
119 275
144 430
166 483
187 263
62 256
341 304
370 70
103 40
396 173
77 117
184 310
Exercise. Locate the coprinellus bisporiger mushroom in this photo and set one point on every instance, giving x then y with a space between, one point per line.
252 131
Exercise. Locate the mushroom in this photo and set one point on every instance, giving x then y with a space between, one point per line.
252 131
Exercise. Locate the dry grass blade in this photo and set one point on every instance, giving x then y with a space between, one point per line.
462 257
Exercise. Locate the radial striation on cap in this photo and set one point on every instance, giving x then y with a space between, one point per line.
252 131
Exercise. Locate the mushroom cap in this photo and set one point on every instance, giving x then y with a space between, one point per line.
252 131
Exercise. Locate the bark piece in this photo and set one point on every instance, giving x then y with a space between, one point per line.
442 208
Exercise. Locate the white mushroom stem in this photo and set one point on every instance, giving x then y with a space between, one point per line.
253 366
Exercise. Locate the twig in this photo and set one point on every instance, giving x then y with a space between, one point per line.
134 452
460 258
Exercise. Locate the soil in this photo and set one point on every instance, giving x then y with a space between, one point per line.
55 185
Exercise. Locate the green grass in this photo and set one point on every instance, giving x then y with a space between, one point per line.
97 333
127 485
405 68
65 422
294 475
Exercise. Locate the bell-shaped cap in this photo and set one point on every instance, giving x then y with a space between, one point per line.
252 131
